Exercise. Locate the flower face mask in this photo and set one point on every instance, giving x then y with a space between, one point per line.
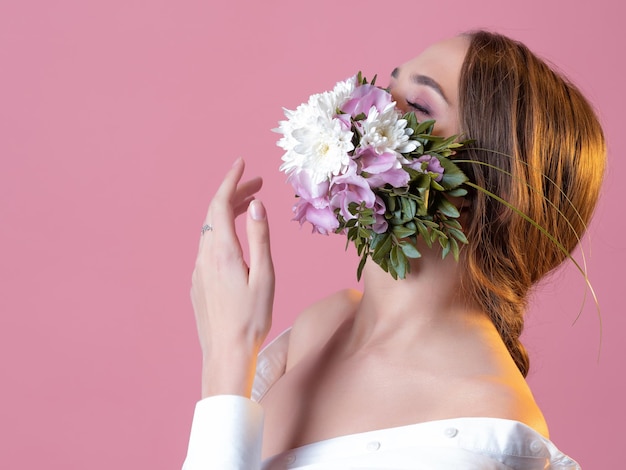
360 167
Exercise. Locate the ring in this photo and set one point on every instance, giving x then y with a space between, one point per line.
206 228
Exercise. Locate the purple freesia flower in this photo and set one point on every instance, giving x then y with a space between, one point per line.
314 193
372 162
313 205
322 219
427 163
382 169
345 120
349 188
364 97
381 225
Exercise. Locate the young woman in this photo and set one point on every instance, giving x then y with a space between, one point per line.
425 372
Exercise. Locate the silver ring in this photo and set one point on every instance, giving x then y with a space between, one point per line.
206 228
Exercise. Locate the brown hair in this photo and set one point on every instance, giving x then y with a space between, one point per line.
538 127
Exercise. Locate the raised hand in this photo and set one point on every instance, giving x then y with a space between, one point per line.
232 301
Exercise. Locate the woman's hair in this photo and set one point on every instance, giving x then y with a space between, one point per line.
538 127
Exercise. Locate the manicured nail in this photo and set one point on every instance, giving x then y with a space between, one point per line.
257 211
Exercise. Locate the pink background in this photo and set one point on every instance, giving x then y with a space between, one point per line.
117 120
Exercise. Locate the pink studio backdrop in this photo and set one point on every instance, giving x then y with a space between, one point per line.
117 120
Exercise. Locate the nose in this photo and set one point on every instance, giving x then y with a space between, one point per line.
400 104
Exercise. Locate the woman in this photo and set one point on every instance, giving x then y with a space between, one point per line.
426 372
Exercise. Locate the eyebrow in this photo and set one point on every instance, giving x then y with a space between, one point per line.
429 82
423 80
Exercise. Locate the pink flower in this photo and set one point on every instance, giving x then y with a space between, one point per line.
428 164
364 97
314 193
350 188
381 225
372 162
322 219
345 120
313 205
382 169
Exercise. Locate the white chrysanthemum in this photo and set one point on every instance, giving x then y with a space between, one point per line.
320 148
385 132
334 99
313 140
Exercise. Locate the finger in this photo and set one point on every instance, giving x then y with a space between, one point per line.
228 187
261 267
242 206
247 189
221 212
245 195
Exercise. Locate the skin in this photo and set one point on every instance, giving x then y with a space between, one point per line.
394 355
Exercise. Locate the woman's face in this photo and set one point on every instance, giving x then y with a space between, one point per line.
429 84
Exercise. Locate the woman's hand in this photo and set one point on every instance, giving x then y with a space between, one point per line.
232 302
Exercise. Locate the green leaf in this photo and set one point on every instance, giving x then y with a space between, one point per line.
401 264
377 239
421 180
383 249
445 247
457 192
352 233
422 209
367 220
452 174
410 250
430 223
391 270
411 120
438 232
425 127
447 208
436 186
402 231
458 234
409 207
393 255
423 230
445 144
455 249
359 270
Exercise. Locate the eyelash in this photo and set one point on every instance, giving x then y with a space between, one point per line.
418 107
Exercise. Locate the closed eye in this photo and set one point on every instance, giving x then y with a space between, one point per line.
419 108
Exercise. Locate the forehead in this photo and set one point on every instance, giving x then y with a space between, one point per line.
442 62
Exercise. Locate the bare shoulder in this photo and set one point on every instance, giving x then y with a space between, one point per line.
316 324
506 399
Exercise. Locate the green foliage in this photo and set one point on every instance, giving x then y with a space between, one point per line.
419 210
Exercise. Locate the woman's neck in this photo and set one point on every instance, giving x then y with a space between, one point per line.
428 304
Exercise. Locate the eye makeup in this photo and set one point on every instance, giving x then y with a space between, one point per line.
419 107
429 82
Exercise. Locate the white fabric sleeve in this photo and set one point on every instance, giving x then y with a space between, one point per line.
226 434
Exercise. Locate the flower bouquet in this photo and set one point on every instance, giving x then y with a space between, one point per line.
360 167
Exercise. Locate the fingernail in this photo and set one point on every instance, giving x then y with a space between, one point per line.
257 211
236 161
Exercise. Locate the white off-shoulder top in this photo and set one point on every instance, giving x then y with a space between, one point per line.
227 432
